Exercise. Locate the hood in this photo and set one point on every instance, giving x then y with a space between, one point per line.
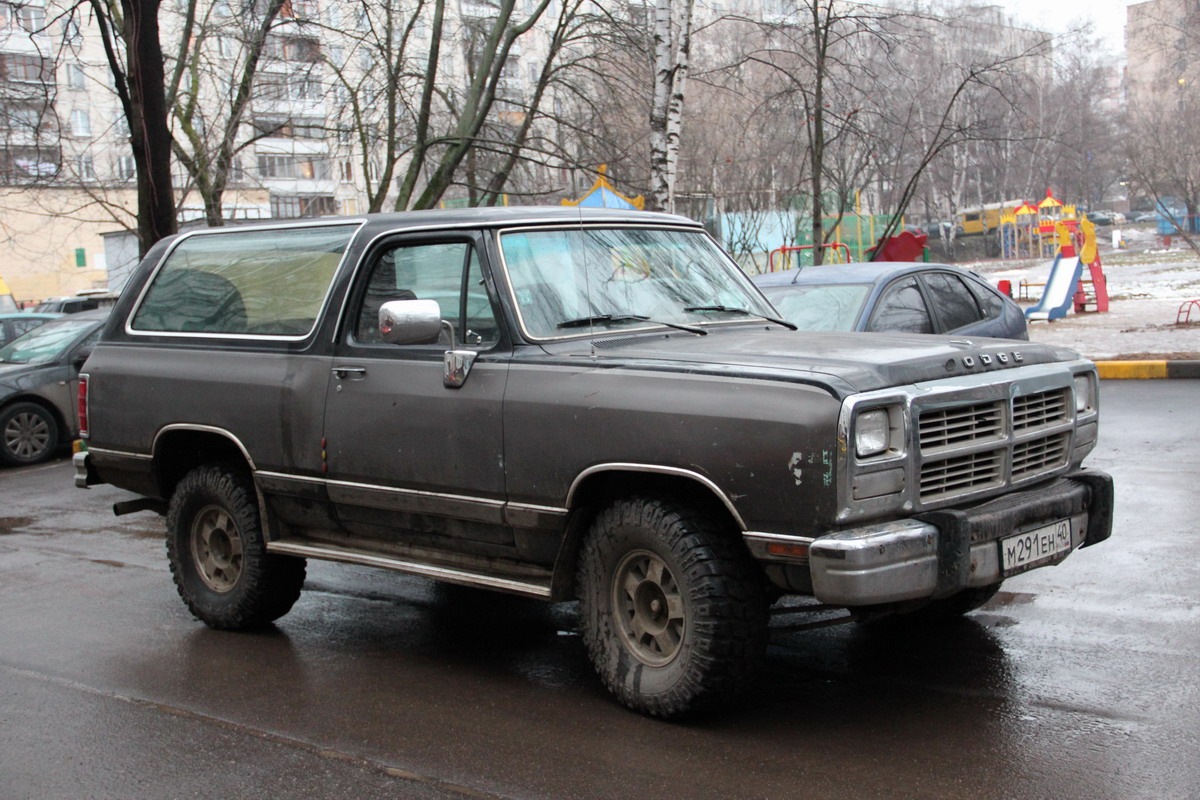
844 362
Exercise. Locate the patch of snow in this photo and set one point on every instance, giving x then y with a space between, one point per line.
1147 285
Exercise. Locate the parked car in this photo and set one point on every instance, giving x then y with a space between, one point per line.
941 230
19 323
890 296
80 302
39 374
1100 217
572 404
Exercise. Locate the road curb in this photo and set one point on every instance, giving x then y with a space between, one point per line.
1120 370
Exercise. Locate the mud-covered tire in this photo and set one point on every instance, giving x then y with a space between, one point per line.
28 434
673 610
218 554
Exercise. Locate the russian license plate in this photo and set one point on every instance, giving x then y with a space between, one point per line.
1031 548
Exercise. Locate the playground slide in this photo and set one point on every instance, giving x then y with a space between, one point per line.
1060 289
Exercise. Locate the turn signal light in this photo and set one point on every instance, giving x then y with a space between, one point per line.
788 550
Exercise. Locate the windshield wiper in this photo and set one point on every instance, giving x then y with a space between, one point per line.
610 319
732 310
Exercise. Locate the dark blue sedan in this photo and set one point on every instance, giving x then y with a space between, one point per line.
891 296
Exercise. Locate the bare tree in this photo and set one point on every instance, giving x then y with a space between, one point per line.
672 51
130 33
209 96
1163 113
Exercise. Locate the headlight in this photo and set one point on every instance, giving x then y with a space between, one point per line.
872 433
1085 393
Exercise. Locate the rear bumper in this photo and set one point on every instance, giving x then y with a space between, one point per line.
943 552
85 473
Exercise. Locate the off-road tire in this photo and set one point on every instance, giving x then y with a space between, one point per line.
28 434
673 611
218 554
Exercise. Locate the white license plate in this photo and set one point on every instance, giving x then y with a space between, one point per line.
1033 547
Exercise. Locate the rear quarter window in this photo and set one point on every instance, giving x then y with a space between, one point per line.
244 283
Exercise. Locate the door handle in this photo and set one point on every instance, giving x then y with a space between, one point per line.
342 373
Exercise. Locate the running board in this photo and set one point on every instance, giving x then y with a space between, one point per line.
449 574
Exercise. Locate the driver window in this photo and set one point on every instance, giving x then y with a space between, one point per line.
449 273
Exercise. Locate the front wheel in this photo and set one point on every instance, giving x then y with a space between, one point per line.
218 554
674 612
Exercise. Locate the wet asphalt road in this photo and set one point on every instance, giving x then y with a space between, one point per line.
1078 681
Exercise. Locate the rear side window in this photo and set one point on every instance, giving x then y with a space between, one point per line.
989 301
955 304
248 283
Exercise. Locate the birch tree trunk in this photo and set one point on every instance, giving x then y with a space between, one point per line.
672 48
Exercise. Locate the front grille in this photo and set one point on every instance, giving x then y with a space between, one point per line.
1039 410
1039 455
976 446
962 474
950 427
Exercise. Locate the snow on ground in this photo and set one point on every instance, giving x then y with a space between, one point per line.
1146 286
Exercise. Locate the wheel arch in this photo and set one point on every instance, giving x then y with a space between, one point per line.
180 448
597 486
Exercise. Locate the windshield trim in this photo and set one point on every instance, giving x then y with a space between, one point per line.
604 332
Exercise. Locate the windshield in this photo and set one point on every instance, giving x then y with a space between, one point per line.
44 343
568 281
820 307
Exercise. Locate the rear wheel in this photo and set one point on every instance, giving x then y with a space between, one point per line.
218 554
28 434
674 612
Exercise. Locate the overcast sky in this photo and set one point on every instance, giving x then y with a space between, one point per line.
1056 16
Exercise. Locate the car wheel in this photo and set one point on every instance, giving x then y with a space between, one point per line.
674 613
30 434
218 554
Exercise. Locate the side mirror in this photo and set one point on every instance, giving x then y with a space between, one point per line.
410 321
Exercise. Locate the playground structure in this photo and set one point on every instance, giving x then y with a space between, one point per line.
604 195
1030 231
785 258
1066 288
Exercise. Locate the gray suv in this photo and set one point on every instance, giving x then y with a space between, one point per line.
571 404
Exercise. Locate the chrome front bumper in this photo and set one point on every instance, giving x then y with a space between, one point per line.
943 552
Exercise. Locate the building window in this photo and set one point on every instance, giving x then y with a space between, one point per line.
126 168
285 206
85 168
296 206
81 123
76 77
270 166
346 171
26 69
31 18
72 35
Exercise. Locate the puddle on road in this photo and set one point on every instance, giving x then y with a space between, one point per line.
10 524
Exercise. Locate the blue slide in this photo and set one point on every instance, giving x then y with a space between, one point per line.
1060 289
